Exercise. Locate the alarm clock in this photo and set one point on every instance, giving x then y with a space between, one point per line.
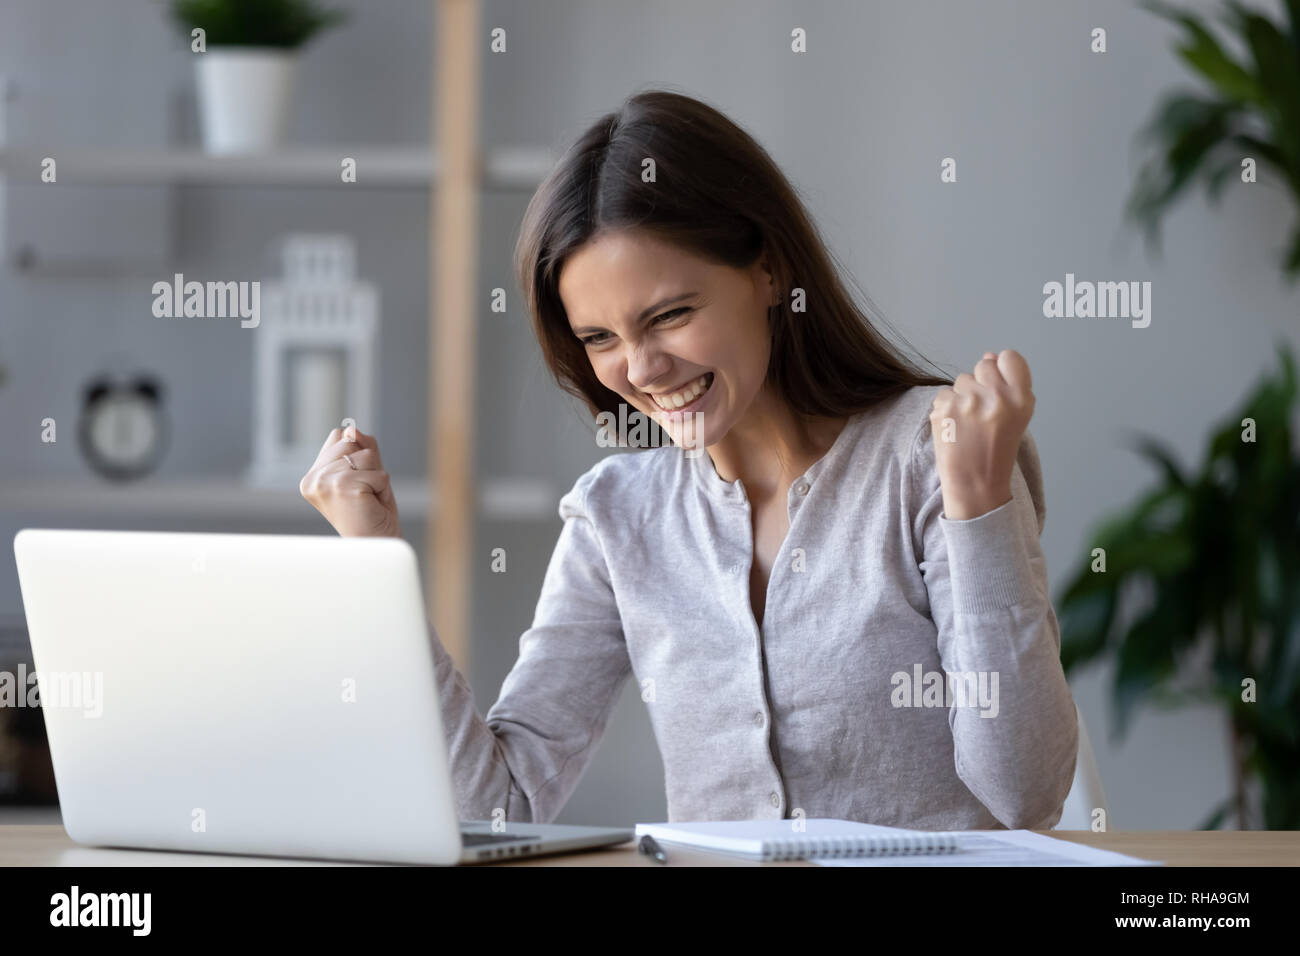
123 431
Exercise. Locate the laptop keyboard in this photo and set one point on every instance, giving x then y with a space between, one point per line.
478 839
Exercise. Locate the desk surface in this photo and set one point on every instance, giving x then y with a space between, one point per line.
45 845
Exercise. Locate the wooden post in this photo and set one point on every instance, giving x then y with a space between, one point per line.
453 274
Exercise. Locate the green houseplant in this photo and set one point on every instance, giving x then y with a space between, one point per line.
246 55
261 23
1219 552
1252 111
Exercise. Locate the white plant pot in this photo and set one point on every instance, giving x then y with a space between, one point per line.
244 95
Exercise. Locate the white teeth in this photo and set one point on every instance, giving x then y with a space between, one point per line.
684 397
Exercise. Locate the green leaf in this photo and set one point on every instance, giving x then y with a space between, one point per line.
271 23
1145 659
1217 176
1204 54
1230 160
1291 261
1221 552
1293 12
1190 128
1155 552
1161 508
1205 135
1262 149
1278 67
1218 814
1148 447
1085 622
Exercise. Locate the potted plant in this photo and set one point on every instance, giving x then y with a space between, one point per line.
246 57
1253 112
1218 554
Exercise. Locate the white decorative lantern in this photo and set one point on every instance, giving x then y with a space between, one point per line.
314 356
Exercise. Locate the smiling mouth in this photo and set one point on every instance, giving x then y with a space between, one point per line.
686 397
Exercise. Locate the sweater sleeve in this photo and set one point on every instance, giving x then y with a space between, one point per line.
526 756
989 599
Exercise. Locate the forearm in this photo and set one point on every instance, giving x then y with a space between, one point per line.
484 785
964 504
1017 752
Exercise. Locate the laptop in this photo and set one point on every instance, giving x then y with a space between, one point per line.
267 695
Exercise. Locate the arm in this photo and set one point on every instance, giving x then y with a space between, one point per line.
988 589
529 752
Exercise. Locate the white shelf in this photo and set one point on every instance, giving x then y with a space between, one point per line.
378 166
506 499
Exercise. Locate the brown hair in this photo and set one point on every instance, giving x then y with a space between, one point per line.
718 195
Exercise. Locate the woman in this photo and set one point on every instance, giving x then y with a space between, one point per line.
841 608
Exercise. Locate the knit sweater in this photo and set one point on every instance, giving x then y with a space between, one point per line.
907 671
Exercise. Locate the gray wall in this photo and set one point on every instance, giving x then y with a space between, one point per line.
1041 128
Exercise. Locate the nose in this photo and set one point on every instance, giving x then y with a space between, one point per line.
645 367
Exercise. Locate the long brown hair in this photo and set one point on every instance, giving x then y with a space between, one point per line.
719 195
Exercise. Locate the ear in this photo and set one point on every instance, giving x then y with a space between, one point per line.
769 284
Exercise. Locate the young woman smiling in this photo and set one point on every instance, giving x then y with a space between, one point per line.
852 525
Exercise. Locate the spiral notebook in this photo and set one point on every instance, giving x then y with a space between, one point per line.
784 840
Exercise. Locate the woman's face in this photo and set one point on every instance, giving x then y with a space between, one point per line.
657 322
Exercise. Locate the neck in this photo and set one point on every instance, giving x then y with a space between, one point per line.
772 445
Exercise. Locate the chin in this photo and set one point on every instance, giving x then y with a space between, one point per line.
701 434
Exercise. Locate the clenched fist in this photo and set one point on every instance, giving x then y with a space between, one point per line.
349 486
977 424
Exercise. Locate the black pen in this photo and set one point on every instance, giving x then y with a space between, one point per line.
650 848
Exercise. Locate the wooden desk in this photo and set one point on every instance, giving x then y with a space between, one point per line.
45 845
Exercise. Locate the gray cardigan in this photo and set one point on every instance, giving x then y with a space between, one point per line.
907 672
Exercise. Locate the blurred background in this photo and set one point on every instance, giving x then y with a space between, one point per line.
201 424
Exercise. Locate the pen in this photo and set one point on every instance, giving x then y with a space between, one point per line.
650 848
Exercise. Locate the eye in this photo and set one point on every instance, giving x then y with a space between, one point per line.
599 337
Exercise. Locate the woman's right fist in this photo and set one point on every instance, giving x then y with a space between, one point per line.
357 498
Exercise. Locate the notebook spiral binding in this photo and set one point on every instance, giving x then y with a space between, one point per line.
870 845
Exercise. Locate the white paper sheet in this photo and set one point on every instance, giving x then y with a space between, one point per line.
1003 848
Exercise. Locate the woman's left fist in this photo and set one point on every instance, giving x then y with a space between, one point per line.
977 424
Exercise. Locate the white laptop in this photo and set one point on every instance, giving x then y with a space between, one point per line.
251 694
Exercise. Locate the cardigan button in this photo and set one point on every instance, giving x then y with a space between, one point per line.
801 487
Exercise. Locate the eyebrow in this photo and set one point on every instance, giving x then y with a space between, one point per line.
646 313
